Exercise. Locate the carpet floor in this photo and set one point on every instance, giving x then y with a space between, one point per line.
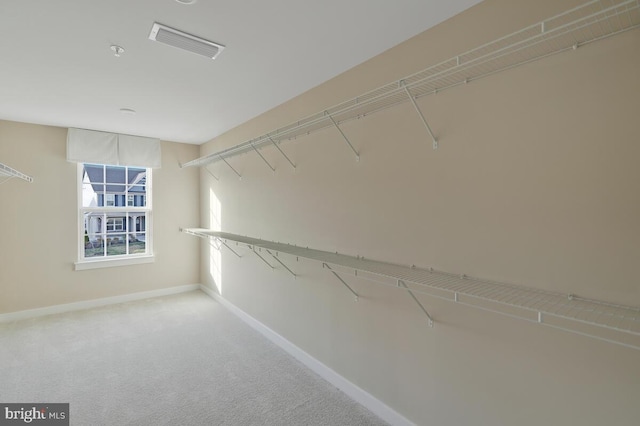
175 360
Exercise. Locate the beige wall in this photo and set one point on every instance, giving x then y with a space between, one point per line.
535 182
39 225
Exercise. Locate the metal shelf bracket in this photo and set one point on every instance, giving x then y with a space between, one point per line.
253 249
211 173
324 265
282 152
231 167
263 159
415 106
343 135
413 296
224 243
283 265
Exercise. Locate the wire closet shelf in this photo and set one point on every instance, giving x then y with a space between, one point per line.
605 321
9 172
592 21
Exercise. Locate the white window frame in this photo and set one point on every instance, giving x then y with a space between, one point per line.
110 200
114 260
131 200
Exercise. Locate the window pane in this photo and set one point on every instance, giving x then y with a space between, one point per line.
138 222
116 174
93 173
139 193
116 245
90 195
93 223
137 176
93 245
116 189
137 243
115 196
137 189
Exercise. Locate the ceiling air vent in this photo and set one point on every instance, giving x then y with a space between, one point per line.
184 41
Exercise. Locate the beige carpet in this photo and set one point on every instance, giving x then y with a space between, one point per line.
176 360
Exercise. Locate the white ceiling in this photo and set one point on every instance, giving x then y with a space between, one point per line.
56 66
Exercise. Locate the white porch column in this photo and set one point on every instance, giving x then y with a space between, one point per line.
134 220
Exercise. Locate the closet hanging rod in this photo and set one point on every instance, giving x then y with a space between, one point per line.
592 21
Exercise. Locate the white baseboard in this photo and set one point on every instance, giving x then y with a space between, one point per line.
87 304
373 404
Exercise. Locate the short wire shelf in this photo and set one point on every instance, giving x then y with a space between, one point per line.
592 21
611 322
10 172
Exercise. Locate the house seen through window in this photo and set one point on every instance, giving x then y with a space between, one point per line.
115 212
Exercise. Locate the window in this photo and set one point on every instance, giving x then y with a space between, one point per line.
115 224
114 213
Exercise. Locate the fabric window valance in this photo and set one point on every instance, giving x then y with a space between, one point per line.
90 146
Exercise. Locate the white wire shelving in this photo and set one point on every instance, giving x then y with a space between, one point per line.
9 173
592 21
610 322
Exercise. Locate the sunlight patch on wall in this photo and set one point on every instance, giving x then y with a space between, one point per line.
215 252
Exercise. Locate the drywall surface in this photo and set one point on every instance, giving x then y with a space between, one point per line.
535 182
38 235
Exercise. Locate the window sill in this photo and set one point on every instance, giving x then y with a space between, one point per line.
111 263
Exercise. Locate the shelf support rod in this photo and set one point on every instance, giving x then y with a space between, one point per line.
413 296
231 167
324 265
283 265
282 152
227 246
263 159
343 135
424 121
211 173
253 248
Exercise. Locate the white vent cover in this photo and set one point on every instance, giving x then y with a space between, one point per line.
181 40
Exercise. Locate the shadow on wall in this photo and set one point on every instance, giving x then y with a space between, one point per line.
215 246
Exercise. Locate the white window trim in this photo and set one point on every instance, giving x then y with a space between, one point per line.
83 263
114 261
